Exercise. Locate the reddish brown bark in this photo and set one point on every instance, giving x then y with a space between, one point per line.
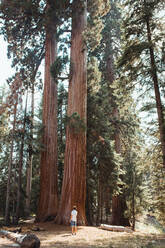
118 209
74 181
48 201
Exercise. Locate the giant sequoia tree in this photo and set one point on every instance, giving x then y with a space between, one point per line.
74 181
48 201
23 29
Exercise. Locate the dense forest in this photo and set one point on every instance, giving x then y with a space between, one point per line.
95 136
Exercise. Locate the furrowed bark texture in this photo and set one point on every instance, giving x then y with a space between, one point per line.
74 181
48 201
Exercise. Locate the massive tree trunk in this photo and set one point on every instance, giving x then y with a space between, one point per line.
48 201
159 105
74 181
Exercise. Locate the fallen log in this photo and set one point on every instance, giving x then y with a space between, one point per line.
13 229
115 228
24 240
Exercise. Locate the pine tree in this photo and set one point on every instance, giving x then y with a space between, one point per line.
111 37
4 129
15 87
102 161
139 60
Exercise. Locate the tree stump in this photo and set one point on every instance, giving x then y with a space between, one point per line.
24 240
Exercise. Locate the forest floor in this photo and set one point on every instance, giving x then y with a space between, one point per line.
58 236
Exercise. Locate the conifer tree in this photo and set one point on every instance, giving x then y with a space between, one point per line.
26 31
4 146
107 53
73 188
110 39
48 201
102 161
139 60
15 87
154 180
19 29
76 122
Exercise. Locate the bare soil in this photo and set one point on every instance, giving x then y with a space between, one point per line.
55 236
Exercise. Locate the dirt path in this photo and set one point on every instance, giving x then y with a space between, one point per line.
58 236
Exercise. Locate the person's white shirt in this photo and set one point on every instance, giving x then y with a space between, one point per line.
74 215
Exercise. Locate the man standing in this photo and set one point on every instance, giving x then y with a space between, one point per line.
73 220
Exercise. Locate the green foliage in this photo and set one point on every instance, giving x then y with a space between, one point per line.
62 109
132 52
135 59
58 66
104 165
76 123
96 10
155 183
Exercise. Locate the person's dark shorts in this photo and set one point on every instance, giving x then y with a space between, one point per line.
73 223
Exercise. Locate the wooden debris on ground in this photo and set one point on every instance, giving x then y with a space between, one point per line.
115 228
28 240
23 229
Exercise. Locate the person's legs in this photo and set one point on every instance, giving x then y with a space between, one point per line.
75 229
72 229
72 226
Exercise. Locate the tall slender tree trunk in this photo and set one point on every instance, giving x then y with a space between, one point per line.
7 212
30 155
30 159
48 201
133 201
21 164
74 181
98 215
159 105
